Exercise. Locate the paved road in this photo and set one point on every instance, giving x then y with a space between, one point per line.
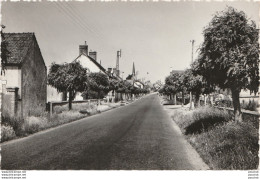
137 136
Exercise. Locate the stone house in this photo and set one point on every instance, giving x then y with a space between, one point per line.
24 79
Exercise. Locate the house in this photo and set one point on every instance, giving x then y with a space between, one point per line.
89 59
138 84
24 79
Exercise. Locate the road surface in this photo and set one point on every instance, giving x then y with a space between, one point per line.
139 136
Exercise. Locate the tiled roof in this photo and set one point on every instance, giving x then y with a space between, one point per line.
17 45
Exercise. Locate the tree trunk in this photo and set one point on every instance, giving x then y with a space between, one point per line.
182 98
64 96
174 99
211 100
70 100
197 100
236 104
205 100
191 107
98 98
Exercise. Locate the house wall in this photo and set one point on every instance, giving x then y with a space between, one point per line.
87 63
92 67
53 94
34 82
12 78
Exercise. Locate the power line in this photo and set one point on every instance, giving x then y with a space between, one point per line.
82 19
73 18
77 18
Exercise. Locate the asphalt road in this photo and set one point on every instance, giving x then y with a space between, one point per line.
138 136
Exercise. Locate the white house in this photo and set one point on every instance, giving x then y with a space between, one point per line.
87 60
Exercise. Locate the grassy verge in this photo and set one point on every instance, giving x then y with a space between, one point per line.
13 127
223 143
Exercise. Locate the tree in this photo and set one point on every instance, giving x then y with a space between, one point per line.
229 55
114 84
196 85
172 85
68 77
124 87
99 83
4 51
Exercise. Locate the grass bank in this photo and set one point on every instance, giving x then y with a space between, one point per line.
14 127
224 144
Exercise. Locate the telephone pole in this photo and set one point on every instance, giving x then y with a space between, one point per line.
192 45
117 62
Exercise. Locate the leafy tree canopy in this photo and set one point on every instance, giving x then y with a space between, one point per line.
99 82
68 77
229 55
172 84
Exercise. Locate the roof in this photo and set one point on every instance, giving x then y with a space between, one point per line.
94 61
17 45
129 77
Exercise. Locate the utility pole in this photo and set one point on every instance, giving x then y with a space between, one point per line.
192 44
117 62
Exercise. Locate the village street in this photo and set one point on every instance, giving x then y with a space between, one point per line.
137 136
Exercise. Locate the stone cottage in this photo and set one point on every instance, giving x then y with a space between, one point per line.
24 80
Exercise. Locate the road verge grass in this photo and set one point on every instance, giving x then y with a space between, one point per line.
224 144
14 127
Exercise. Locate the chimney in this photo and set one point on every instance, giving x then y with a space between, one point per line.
83 49
109 70
93 55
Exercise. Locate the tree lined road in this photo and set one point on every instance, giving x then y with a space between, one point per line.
137 136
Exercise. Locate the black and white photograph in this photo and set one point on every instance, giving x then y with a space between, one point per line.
129 86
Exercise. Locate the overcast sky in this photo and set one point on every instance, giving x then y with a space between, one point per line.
154 35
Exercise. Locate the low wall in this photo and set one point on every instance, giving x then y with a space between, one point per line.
50 106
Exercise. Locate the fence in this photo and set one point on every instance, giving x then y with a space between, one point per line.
247 115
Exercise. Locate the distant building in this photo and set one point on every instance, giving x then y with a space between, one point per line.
25 76
132 77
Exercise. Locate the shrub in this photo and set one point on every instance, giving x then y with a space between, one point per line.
65 117
225 144
206 118
33 124
202 119
7 133
229 146
15 122
251 105
76 107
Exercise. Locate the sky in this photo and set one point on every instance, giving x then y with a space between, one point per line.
154 35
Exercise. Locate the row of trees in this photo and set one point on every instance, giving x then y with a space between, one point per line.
228 59
72 78
185 83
